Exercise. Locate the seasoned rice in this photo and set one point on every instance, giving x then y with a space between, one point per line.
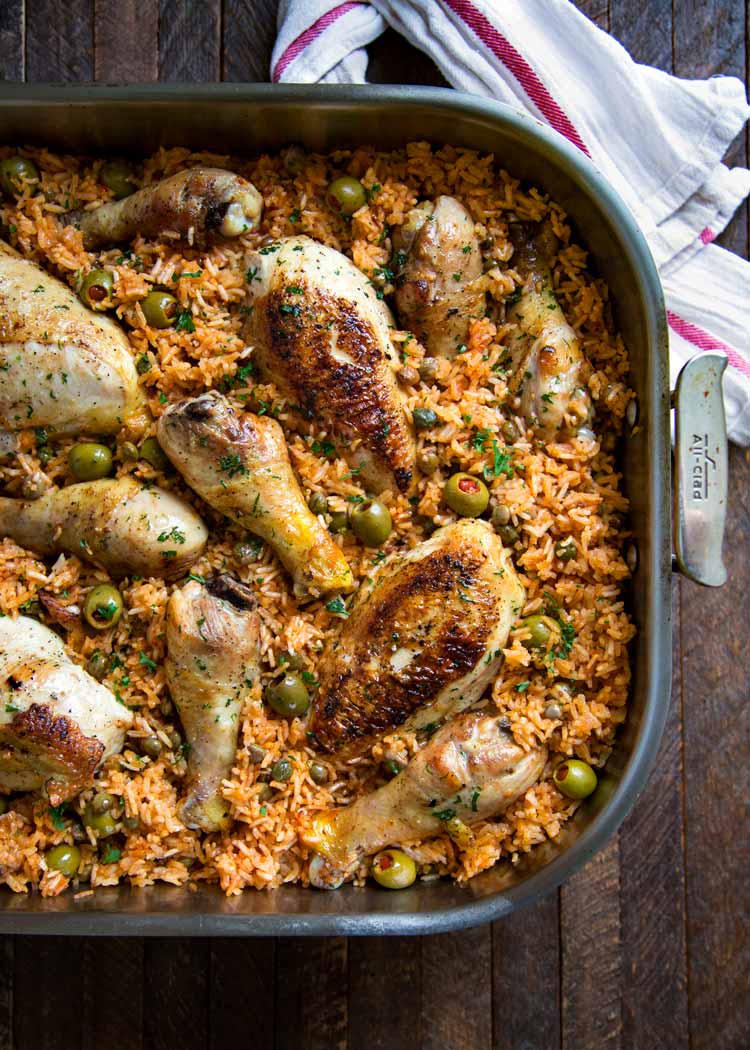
552 491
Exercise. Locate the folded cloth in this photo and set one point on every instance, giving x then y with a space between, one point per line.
658 139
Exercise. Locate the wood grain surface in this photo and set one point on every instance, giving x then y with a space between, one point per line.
647 947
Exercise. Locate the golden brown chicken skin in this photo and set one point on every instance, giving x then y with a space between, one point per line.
196 206
440 288
240 466
423 640
549 366
320 333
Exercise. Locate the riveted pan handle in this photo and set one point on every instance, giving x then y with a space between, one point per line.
701 470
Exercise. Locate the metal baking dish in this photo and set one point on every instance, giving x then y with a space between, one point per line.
245 119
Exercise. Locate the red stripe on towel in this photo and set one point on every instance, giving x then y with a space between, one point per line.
298 45
704 341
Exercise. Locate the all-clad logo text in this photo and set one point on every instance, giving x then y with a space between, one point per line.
702 464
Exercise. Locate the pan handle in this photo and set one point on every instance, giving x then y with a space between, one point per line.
700 470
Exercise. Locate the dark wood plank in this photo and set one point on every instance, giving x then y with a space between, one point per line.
12 50
242 989
457 990
311 994
60 40
596 10
176 980
645 29
7 956
716 688
126 40
249 32
189 41
652 892
112 993
385 979
393 60
526 978
592 955
47 981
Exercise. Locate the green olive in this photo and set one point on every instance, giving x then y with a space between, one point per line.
102 824
103 802
565 549
371 522
318 773
64 858
428 461
288 697
103 606
89 461
14 172
151 746
96 289
542 629
281 770
154 454
339 521
159 309
129 452
318 503
394 869
116 177
346 195
466 495
428 369
508 534
424 418
574 778
256 754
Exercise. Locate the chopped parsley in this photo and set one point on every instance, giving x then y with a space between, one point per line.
111 855
57 814
522 687
146 661
445 814
231 465
184 321
172 534
294 215
325 447
337 607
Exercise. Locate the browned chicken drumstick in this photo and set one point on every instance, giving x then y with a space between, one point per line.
197 206
469 771
440 287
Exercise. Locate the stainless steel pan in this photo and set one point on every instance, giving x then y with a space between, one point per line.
246 119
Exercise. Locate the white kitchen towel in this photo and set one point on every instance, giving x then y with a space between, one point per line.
658 139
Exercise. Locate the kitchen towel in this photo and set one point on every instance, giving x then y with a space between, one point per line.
658 139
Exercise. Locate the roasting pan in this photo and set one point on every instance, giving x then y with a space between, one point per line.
247 118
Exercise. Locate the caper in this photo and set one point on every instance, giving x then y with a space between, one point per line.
34 485
394 869
346 195
45 454
574 778
509 534
154 454
428 461
103 606
256 754
64 858
428 369
318 773
159 309
500 515
131 823
103 802
565 549
553 711
466 495
281 770
510 431
89 461
371 522
541 631
15 172
129 452
265 793
116 177
151 746
102 824
408 375
424 418
288 697
318 503
245 552
175 739
96 289
339 521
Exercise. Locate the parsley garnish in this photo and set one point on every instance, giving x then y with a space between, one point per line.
146 661
231 465
337 607
184 322
445 814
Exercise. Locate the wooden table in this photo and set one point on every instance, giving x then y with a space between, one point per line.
648 946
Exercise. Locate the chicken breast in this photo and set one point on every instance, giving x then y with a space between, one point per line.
119 525
423 641
240 466
440 286
549 366
62 366
470 770
197 206
213 658
57 723
321 334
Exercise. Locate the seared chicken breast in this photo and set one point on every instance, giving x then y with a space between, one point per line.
422 641
470 770
440 286
197 206
321 334
240 466
119 525
62 366
549 366
57 723
213 658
